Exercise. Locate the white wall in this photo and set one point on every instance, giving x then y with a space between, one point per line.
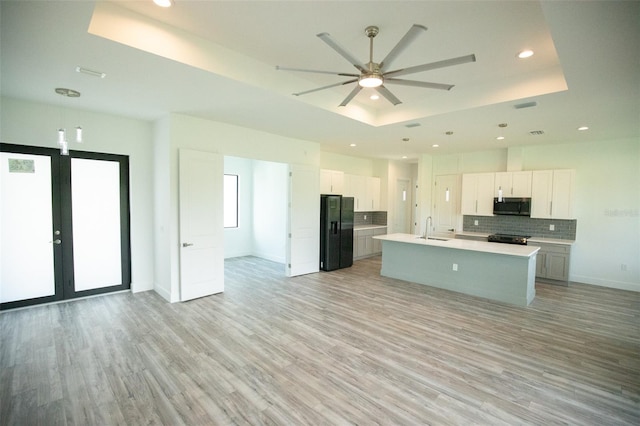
35 124
225 139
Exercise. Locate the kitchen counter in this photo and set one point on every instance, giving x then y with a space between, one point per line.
501 272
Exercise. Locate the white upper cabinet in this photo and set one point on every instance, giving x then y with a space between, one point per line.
513 184
552 194
331 181
477 194
365 190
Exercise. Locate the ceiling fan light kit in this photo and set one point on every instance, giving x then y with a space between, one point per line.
374 75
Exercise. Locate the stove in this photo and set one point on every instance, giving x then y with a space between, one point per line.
509 239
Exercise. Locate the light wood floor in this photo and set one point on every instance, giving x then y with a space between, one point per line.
345 347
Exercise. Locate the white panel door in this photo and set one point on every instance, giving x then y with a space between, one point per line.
201 224
446 208
303 248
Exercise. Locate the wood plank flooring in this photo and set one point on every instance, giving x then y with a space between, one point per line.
343 347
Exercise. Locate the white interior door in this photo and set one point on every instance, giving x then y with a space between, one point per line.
201 224
446 200
303 247
27 234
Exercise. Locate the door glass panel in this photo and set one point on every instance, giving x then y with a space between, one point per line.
27 227
95 199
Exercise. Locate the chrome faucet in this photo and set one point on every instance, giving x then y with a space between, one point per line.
427 227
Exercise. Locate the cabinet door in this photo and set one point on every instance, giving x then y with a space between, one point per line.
541 260
468 204
331 181
521 184
503 181
359 188
541 193
325 181
485 194
562 194
348 190
373 192
557 266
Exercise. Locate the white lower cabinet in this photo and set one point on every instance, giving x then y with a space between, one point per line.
552 263
363 243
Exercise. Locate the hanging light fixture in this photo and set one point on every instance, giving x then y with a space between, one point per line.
62 133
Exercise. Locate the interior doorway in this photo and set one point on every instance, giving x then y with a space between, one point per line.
64 226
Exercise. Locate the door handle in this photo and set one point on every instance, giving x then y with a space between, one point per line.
187 244
58 241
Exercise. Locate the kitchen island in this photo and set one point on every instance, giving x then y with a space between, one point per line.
502 272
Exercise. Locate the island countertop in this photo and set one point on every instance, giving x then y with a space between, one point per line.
458 244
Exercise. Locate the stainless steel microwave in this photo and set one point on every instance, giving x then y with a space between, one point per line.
512 206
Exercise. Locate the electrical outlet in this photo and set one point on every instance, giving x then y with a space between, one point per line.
455 266
475 223
552 227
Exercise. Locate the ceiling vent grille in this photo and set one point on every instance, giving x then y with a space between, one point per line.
536 132
525 105
410 125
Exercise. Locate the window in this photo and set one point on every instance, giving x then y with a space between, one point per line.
230 201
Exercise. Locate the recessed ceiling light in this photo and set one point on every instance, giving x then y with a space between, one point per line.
374 97
163 3
583 128
449 133
405 139
435 145
404 157
525 54
353 144
500 138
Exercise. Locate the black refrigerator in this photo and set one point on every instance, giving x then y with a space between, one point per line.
336 232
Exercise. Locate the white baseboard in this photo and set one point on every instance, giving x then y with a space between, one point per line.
620 285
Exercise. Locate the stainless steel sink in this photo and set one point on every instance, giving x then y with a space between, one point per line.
432 238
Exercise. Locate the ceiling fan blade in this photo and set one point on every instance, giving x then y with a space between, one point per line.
342 83
388 95
326 37
419 84
279 68
404 42
432 65
351 95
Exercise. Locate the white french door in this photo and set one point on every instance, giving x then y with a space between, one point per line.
64 225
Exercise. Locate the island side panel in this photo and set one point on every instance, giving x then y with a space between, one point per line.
504 278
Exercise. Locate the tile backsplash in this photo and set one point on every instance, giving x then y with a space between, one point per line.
564 229
372 218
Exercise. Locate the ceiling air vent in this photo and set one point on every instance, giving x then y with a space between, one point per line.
410 125
525 105
536 132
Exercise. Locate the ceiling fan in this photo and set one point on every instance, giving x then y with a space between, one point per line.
375 75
